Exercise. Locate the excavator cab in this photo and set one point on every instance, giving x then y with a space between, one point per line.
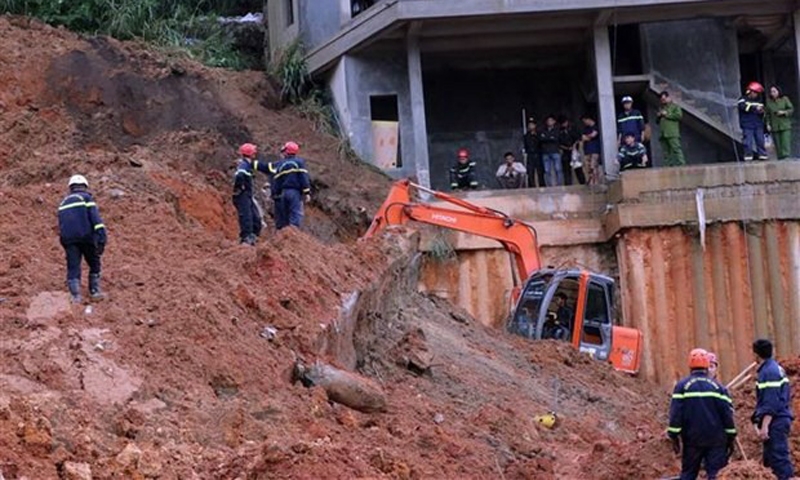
576 306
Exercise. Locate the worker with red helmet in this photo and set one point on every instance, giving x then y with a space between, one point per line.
751 119
701 420
249 215
291 186
463 175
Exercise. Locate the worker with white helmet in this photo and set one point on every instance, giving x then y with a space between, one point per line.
83 236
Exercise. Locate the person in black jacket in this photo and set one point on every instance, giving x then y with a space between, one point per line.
701 418
533 155
83 236
568 138
551 156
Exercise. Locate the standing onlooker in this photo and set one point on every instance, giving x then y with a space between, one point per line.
568 138
463 175
632 154
83 236
773 415
751 119
533 155
669 121
548 143
701 417
629 120
591 150
779 121
511 174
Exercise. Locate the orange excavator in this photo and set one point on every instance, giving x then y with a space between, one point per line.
541 297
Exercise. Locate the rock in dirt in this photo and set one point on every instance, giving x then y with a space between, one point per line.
342 387
116 193
129 457
76 471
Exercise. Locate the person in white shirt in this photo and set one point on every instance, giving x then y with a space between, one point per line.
512 174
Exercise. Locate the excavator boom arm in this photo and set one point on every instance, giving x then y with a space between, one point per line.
517 237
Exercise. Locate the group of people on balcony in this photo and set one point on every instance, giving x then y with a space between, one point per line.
555 151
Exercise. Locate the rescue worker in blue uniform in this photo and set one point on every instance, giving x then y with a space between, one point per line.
751 119
701 418
83 236
249 215
463 175
773 415
632 154
629 120
291 187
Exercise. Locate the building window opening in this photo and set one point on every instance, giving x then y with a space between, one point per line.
385 116
358 6
288 6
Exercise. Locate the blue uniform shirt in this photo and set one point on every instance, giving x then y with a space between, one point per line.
772 392
701 412
291 174
79 219
631 122
749 116
243 178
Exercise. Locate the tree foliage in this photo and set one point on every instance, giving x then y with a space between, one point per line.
189 24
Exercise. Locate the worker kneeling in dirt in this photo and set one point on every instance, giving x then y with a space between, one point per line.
83 236
249 215
291 187
701 417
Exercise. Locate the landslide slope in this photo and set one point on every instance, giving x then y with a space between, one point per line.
171 377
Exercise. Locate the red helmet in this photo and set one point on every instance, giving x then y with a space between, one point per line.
463 153
755 87
290 148
248 150
698 358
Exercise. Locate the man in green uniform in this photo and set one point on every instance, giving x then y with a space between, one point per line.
779 120
669 121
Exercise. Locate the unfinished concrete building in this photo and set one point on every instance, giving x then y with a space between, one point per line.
414 80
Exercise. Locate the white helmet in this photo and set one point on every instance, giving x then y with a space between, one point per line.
78 180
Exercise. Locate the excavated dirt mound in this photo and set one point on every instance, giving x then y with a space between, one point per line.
184 371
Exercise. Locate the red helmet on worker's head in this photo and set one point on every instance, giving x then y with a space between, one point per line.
698 358
755 87
248 150
463 153
290 148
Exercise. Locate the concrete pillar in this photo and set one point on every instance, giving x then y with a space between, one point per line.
417 100
605 99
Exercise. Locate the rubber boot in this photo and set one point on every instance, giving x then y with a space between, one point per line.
94 286
75 290
250 239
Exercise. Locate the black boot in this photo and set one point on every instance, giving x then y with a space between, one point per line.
94 286
74 286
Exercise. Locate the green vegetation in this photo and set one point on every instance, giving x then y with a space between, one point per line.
184 24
